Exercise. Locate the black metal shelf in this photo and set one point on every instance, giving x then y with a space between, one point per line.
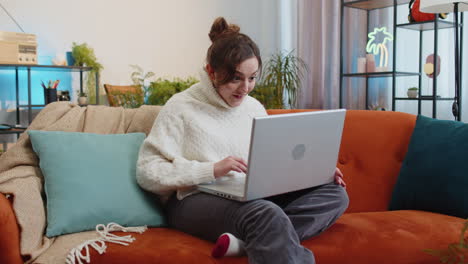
381 74
369 6
373 4
40 105
44 67
43 105
427 25
28 68
12 131
425 98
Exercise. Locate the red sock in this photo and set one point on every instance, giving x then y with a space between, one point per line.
227 245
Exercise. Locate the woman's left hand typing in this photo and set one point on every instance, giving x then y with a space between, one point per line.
339 177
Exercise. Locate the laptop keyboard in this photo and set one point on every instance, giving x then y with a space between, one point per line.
232 184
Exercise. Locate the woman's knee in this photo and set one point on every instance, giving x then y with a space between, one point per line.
337 196
343 199
261 211
264 208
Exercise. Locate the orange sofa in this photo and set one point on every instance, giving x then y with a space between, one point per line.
373 147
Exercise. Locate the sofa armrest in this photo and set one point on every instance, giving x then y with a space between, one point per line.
9 233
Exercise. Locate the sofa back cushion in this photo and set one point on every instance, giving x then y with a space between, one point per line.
373 146
433 176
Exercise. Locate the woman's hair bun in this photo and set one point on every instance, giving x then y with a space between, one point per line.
221 28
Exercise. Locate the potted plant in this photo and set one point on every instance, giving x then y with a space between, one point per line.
141 79
82 98
455 253
281 77
84 56
412 92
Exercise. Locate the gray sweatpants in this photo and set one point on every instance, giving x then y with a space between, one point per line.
271 228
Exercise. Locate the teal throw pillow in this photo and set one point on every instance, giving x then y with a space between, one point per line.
433 176
90 179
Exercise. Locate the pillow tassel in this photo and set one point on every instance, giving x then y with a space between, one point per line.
76 257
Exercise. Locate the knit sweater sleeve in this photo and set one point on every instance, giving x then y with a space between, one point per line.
161 167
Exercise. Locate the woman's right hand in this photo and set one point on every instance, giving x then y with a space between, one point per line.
228 164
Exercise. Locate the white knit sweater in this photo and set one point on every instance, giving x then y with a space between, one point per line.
194 130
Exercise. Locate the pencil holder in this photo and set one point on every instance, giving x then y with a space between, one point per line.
50 95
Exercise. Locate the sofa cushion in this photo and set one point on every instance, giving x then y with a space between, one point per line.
90 179
158 245
365 238
433 174
10 234
386 238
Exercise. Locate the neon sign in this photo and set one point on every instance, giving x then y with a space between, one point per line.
379 48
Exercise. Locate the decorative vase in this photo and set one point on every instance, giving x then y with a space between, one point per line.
82 100
361 65
70 59
370 63
146 94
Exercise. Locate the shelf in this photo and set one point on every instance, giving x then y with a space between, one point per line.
40 105
43 105
424 99
12 131
385 8
17 68
43 67
373 4
427 25
380 74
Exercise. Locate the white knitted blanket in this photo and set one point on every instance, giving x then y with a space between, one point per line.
21 177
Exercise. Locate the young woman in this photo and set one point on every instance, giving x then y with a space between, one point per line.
202 134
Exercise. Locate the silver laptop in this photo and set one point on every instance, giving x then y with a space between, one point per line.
288 152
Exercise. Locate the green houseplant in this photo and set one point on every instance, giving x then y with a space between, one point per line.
265 95
281 77
84 56
162 89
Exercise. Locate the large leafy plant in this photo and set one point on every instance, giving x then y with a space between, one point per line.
265 95
281 77
162 89
84 56
141 78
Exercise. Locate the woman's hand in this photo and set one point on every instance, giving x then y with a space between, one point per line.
339 178
228 164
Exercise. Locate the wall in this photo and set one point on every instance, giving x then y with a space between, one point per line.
169 38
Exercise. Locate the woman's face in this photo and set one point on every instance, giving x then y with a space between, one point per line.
235 91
